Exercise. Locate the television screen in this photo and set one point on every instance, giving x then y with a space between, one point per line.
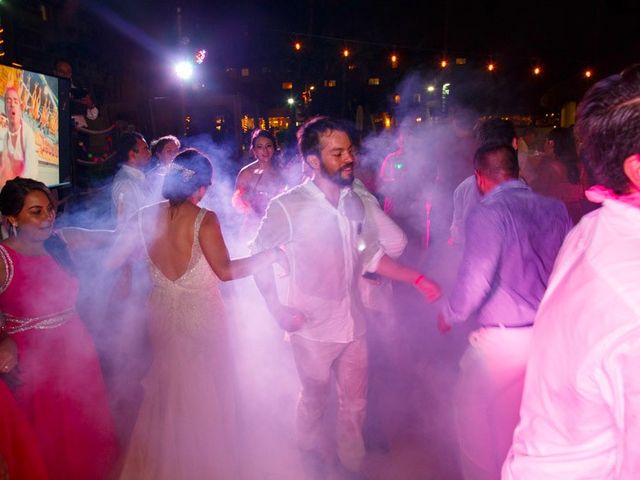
34 126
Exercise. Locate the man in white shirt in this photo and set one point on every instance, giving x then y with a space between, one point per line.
326 230
581 404
130 191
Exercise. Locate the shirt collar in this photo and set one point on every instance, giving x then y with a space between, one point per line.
629 214
133 172
515 184
313 189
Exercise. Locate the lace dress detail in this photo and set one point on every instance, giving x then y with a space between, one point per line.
183 305
186 425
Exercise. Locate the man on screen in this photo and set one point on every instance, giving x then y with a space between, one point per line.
17 142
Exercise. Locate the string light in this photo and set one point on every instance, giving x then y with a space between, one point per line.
394 58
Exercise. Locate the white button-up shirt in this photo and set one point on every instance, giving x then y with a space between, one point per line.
581 398
129 192
328 250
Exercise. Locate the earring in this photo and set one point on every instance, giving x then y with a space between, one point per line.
14 229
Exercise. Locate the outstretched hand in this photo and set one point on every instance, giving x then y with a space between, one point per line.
8 355
289 318
430 290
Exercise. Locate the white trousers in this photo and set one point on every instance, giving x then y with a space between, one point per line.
315 362
488 396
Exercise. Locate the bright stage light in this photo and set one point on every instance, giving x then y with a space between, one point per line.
184 70
290 101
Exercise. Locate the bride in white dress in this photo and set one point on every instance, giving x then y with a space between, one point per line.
186 424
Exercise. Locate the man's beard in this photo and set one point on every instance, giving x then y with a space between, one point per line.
336 176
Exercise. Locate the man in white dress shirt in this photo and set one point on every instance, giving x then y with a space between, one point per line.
326 230
130 191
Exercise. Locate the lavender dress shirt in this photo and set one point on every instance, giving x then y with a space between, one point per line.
512 238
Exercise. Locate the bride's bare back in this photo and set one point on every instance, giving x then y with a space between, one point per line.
168 234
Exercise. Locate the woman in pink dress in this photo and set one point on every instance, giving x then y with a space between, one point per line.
19 452
60 387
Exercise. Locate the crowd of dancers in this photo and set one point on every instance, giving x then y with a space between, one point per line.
557 308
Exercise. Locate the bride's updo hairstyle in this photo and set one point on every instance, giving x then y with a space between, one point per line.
189 171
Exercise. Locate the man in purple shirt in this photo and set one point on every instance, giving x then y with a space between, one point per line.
513 237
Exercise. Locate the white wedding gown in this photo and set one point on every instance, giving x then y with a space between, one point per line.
186 427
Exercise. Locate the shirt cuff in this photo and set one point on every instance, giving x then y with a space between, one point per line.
372 265
449 316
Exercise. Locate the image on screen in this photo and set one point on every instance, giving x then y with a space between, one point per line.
31 129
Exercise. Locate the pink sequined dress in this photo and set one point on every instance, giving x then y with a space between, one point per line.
61 389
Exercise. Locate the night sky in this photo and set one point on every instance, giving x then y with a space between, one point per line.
597 34
565 40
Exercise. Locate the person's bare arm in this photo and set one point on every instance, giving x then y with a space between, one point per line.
390 268
82 238
238 200
125 245
216 253
8 354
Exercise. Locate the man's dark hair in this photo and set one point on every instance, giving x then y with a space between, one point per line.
495 131
496 161
309 134
126 143
608 128
60 60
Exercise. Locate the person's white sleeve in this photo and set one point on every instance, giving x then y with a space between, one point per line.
124 200
274 230
381 234
621 384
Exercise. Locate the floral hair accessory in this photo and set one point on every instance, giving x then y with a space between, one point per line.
185 173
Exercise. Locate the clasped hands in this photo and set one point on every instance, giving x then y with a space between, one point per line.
8 355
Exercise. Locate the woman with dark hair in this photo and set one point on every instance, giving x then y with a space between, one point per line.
185 427
60 385
258 182
163 151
